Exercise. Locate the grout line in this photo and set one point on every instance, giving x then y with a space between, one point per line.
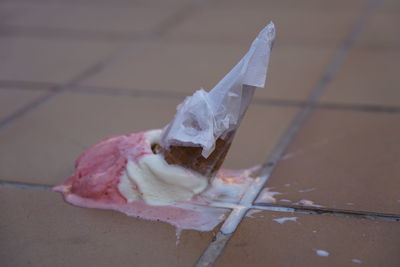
231 223
360 107
331 211
26 85
256 101
128 92
27 108
71 34
214 249
26 186
132 92
223 238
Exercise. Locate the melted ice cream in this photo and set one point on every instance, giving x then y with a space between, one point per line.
151 179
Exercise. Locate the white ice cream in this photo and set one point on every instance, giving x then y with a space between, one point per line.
156 182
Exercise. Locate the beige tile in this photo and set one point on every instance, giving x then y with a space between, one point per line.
47 60
176 67
295 71
13 99
382 30
261 129
42 147
262 241
185 67
343 159
38 229
101 18
239 24
390 5
368 76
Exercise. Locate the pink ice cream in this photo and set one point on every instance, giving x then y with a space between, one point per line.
96 181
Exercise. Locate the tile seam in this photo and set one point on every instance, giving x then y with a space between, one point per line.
331 211
279 208
131 92
25 186
62 33
237 215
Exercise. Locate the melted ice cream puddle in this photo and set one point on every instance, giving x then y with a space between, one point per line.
306 202
267 196
152 180
322 253
109 175
250 213
285 219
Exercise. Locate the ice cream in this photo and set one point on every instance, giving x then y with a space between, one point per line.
130 174
205 123
122 173
151 179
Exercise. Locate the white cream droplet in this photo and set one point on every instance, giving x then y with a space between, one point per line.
285 219
322 253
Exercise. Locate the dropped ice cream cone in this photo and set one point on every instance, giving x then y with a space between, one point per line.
201 133
124 173
191 157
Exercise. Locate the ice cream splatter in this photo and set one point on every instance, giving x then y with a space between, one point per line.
250 213
349 204
285 219
322 253
292 155
178 233
306 202
267 196
306 190
95 184
356 261
285 200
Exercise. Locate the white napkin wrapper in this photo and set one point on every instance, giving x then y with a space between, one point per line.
206 116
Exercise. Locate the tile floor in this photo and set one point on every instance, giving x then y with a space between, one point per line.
74 72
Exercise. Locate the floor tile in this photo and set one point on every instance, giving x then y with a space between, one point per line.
39 229
339 5
238 24
390 5
13 99
257 136
382 30
49 139
343 159
293 70
45 60
134 19
361 79
176 67
263 241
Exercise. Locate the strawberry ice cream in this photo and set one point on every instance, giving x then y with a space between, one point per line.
122 173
